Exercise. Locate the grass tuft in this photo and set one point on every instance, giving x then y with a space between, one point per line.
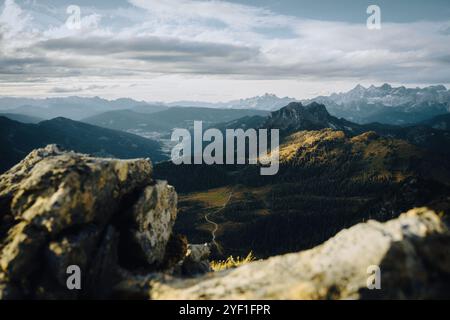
231 262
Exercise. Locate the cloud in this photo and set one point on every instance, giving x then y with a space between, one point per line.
235 16
13 20
146 45
73 89
317 52
214 39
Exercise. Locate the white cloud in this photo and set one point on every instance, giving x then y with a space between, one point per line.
12 19
234 16
215 41
15 28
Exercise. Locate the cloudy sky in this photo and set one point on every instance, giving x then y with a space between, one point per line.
169 50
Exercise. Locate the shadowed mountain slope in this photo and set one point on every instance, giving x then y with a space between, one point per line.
328 180
18 139
167 120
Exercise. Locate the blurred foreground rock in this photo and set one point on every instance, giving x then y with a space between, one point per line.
412 252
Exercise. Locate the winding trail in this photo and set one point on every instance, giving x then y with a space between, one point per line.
216 226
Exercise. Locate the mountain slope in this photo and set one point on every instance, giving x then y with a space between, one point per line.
245 123
333 174
328 180
424 136
167 120
441 122
21 118
127 120
18 139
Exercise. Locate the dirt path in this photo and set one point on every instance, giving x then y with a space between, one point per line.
215 225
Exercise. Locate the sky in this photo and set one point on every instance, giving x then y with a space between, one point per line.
212 50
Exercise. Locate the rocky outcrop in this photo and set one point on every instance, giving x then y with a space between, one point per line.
411 252
59 209
297 117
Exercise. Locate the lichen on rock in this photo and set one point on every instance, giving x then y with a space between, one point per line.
62 208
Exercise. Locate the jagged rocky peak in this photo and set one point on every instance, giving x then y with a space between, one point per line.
317 109
358 88
109 217
296 116
291 109
386 87
297 110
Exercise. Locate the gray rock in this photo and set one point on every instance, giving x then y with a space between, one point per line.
412 253
199 252
154 215
63 208
197 260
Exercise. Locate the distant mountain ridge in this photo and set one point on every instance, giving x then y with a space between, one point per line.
383 104
21 117
268 102
75 108
391 96
387 104
18 139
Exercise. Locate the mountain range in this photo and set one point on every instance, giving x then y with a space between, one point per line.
297 117
268 102
384 104
18 139
75 108
333 173
387 104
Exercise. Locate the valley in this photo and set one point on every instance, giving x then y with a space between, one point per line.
334 173
327 181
